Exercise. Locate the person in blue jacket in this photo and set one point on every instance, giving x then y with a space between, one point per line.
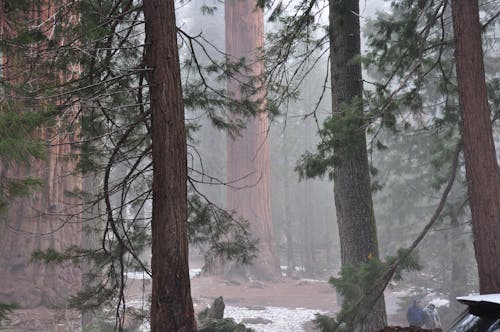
415 314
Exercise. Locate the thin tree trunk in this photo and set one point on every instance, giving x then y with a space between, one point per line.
307 209
90 238
307 225
248 154
458 282
171 305
482 172
353 200
290 258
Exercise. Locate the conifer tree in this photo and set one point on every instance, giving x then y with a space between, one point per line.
113 142
483 174
248 152
415 61
36 150
408 48
342 152
171 304
353 197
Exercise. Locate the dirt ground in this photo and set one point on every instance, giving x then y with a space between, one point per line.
285 292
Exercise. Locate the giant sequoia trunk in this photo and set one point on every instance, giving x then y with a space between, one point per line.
482 172
248 154
48 218
353 200
171 304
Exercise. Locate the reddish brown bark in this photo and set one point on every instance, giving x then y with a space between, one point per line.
171 305
48 218
248 154
41 221
482 172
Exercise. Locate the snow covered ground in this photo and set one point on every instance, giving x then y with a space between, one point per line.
143 275
283 319
277 318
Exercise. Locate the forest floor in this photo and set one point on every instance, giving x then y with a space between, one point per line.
290 304
283 305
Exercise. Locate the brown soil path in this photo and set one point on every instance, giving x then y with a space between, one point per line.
287 293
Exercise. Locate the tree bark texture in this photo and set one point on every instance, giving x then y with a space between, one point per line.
171 305
248 154
290 241
90 238
353 200
457 284
482 172
46 219
49 217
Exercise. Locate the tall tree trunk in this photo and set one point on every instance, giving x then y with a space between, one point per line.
171 304
307 222
90 238
48 218
482 172
290 247
458 278
248 154
353 200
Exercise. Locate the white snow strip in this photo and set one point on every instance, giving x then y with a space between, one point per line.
194 273
438 302
145 327
313 280
141 275
283 319
138 275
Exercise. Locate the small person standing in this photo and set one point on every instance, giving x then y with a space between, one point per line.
415 314
432 319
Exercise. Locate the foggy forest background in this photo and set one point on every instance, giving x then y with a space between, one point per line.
77 174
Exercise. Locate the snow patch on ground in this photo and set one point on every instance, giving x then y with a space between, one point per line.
145 327
313 280
438 302
194 273
138 275
283 319
142 275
